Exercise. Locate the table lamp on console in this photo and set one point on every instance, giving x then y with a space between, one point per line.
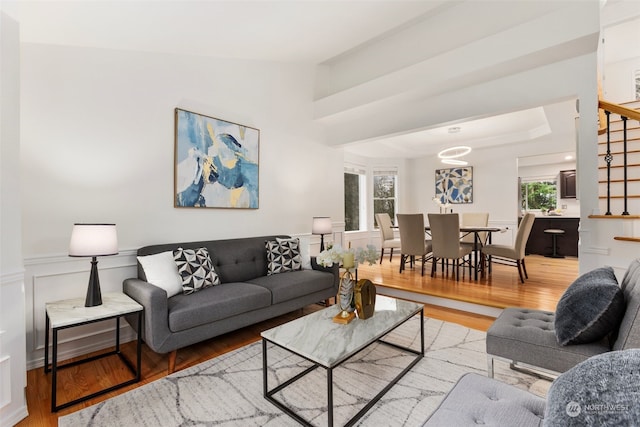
321 226
93 240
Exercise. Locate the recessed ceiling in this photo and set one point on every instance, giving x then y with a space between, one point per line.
515 127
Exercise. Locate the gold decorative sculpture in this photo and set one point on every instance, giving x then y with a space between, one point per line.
365 298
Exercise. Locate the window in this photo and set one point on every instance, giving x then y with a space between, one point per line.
384 194
354 199
540 194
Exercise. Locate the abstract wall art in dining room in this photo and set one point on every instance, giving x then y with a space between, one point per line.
216 163
454 185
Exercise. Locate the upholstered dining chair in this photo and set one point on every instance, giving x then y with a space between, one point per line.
412 240
387 236
513 255
445 241
474 219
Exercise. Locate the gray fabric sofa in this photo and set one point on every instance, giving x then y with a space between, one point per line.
528 336
246 295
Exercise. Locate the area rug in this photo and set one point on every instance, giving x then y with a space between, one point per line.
227 390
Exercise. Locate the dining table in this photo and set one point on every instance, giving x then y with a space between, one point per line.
477 231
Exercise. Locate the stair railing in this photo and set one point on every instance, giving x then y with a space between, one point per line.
625 114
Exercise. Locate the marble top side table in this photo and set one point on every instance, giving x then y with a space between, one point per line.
72 312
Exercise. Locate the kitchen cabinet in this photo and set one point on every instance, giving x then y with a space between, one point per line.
568 184
541 244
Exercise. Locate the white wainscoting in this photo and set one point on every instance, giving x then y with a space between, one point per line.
5 384
505 237
58 277
13 371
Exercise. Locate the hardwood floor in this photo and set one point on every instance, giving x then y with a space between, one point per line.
548 278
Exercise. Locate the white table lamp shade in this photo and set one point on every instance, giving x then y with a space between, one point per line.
91 240
321 225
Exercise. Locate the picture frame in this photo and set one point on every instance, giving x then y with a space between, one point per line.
216 163
454 185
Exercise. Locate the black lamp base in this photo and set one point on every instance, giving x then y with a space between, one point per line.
94 297
321 242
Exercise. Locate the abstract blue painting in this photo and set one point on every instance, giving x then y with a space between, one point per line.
216 162
454 185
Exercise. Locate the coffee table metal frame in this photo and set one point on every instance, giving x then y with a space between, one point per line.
269 394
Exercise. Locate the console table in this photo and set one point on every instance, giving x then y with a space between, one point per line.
72 312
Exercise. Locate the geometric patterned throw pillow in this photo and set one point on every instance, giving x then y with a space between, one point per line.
196 269
283 256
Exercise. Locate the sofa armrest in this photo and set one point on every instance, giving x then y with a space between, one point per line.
156 311
334 269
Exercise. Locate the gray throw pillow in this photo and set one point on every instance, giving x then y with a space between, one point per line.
591 308
601 391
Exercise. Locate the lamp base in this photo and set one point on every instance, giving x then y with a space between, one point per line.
94 297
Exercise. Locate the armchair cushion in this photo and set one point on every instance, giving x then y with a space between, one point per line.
477 400
601 391
590 309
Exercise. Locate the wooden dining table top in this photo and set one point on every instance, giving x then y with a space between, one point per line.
472 228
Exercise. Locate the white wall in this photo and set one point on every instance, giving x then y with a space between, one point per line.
13 380
97 145
620 54
620 80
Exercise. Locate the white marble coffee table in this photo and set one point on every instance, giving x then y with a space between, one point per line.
318 339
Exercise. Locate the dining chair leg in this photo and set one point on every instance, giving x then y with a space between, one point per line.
423 260
434 265
524 268
382 254
390 256
401 262
519 264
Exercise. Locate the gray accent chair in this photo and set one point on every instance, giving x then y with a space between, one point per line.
445 242
527 336
387 235
477 400
601 391
513 255
412 239
246 295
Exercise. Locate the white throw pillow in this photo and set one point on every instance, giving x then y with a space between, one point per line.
161 271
